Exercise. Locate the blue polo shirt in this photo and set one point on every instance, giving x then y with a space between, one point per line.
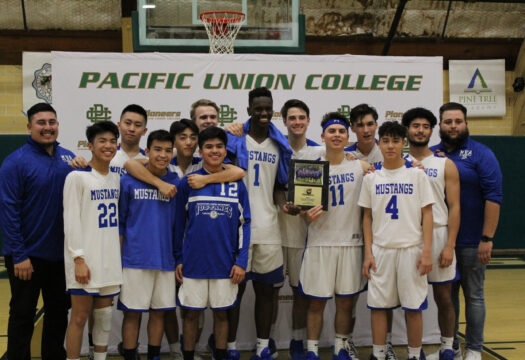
31 202
480 180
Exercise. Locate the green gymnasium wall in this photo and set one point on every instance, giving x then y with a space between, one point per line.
510 151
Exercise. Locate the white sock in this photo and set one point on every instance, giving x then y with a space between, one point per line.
299 334
379 351
313 346
100 355
339 343
446 343
261 344
231 345
174 348
389 338
414 352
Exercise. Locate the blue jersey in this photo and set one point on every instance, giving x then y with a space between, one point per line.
212 228
147 222
31 184
480 180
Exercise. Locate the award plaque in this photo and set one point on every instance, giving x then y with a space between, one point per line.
308 183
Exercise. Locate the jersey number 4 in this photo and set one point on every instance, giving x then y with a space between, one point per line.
391 208
108 215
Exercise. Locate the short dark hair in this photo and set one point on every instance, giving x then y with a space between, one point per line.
392 128
360 111
181 125
259 92
294 103
99 128
418 113
334 115
159 135
39 108
452 106
134 108
212 132
202 102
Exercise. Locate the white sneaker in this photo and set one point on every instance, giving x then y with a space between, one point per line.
434 356
390 353
352 351
457 354
472 355
176 356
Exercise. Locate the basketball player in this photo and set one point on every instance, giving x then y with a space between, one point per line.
147 220
92 249
397 226
334 253
444 178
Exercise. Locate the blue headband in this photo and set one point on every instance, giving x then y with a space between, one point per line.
335 121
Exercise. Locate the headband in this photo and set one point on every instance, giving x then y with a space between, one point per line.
335 121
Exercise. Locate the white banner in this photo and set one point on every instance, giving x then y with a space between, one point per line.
36 78
89 87
479 85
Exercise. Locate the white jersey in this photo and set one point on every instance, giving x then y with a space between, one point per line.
117 163
191 168
91 227
263 162
342 224
396 198
294 228
435 169
374 157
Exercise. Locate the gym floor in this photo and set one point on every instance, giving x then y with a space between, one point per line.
504 330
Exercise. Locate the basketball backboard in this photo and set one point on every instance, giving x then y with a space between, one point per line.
174 25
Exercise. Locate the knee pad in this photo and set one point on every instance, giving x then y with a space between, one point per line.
101 326
201 320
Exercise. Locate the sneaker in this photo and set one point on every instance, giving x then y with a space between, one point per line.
372 357
421 356
352 351
457 354
273 348
296 350
342 355
265 355
176 356
233 355
390 353
472 355
310 355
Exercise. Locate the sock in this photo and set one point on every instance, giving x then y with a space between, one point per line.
414 352
231 345
220 354
261 344
339 343
313 346
100 355
389 338
153 351
129 354
379 351
188 355
174 348
446 343
299 334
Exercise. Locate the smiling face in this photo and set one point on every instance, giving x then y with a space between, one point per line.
206 116
391 147
365 129
419 132
213 152
159 154
335 136
43 128
261 110
104 146
132 127
296 121
186 143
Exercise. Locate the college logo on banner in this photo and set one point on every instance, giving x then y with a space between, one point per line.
479 85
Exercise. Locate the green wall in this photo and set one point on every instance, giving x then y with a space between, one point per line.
510 151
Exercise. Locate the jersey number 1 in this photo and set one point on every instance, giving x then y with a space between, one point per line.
391 208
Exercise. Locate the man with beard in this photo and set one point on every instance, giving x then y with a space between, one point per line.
481 195
444 178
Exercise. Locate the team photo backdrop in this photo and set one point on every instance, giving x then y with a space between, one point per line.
90 87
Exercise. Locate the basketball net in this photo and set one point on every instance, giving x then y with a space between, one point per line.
222 28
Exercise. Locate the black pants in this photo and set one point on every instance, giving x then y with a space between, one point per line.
49 277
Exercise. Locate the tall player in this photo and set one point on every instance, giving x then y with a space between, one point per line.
397 226
334 253
296 118
444 178
264 153
92 247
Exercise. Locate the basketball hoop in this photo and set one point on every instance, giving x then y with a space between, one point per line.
222 28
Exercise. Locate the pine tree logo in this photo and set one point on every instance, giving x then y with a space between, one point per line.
477 86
